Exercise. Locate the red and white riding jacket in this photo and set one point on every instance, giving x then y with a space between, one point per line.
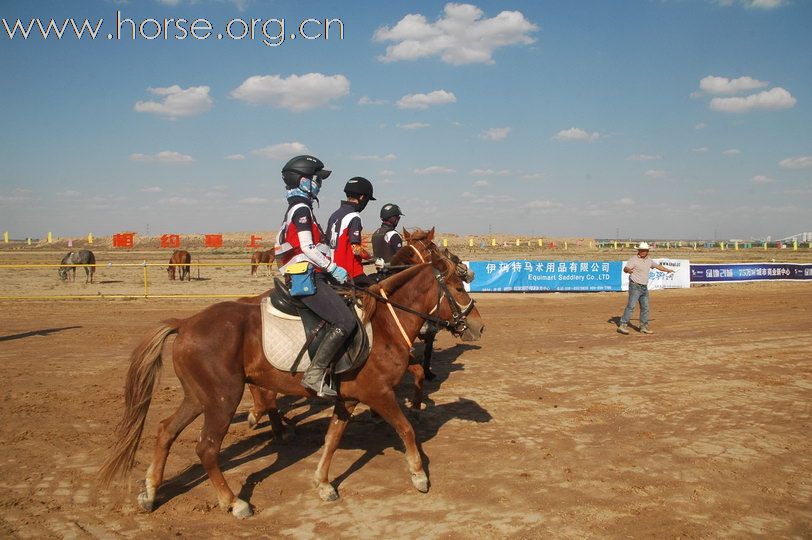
344 231
300 237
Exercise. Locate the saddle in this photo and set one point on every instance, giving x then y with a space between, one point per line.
287 325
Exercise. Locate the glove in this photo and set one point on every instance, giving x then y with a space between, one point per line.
379 264
338 273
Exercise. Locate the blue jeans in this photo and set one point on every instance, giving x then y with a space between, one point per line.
637 293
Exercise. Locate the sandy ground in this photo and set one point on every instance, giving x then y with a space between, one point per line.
553 425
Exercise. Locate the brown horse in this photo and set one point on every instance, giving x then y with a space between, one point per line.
220 349
261 257
419 250
180 259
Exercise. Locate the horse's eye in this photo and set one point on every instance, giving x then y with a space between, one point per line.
460 289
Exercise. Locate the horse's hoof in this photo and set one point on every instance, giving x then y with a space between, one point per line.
288 433
327 492
430 375
241 509
252 420
146 504
420 482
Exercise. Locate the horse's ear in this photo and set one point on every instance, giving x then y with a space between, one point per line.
430 236
406 235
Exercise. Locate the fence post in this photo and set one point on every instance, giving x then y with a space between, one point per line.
146 290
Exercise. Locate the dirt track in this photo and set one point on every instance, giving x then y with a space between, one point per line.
552 425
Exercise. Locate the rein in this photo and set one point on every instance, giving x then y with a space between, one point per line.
458 313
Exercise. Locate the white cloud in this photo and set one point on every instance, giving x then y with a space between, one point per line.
424 101
152 189
541 204
773 99
490 172
644 157
282 150
163 157
387 157
386 172
462 35
178 201
799 162
296 93
495 134
576 134
625 201
435 169
234 157
701 125
533 176
69 193
254 200
481 183
414 125
365 100
700 150
732 152
722 85
178 102
655 173
761 179
754 4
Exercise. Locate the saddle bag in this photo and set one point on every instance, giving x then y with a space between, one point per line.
299 278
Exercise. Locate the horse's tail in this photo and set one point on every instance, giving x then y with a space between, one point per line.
145 365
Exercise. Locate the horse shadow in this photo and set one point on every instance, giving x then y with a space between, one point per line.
443 364
45 332
360 435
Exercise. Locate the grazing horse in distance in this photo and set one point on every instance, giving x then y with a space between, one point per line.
261 257
180 257
78 257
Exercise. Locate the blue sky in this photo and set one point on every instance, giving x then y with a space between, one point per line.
660 119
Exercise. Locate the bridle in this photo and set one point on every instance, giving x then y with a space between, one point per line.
459 314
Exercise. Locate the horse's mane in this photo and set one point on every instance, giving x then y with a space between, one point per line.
390 285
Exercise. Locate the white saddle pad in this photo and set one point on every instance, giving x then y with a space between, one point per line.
283 336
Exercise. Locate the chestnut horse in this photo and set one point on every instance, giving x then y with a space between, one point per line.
180 259
420 249
220 349
261 257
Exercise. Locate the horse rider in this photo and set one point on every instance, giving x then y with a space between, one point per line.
301 240
386 241
344 230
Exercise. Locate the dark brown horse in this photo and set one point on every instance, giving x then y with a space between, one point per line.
419 250
261 257
218 350
180 259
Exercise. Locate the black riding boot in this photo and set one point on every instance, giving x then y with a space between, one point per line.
315 374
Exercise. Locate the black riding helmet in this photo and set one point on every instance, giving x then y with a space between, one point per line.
359 186
390 210
307 166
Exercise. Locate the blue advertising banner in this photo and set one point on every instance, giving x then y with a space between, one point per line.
521 276
720 273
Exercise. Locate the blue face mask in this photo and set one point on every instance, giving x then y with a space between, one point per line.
311 186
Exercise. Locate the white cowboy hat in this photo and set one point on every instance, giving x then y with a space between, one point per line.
642 246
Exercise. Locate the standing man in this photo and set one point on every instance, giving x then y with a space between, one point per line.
344 230
638 268
386 241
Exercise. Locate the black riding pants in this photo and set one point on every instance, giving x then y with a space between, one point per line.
328 305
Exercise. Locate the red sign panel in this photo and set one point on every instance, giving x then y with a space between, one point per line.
170 241
214 240
123 240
